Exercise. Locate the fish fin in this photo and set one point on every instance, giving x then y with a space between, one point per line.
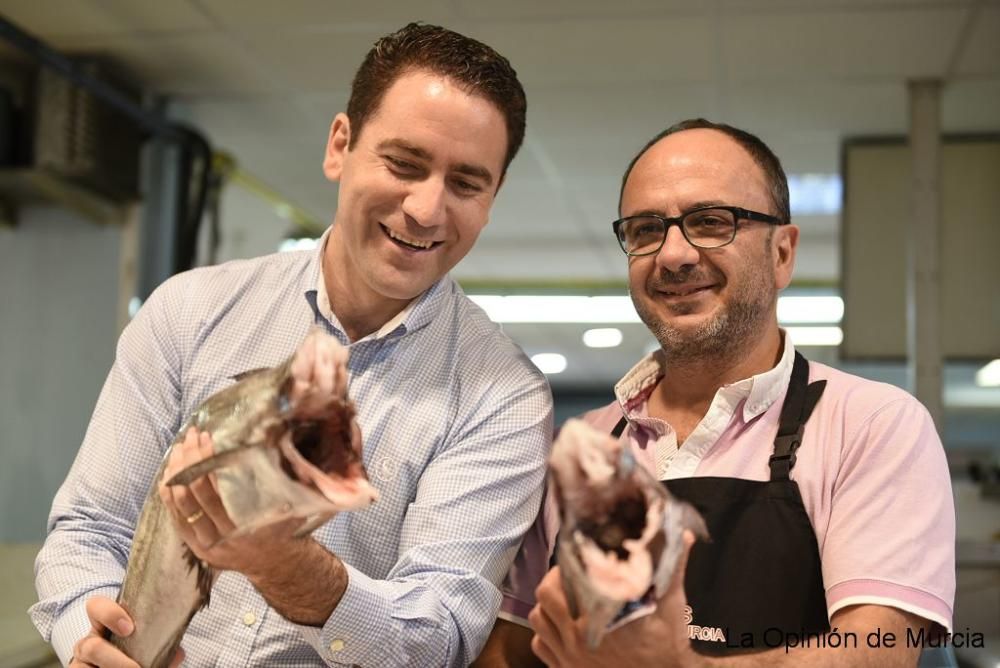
692 519
246 374
205 578
216 461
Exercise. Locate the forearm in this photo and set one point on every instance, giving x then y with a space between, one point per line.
309 588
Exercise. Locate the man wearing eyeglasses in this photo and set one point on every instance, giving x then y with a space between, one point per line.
827 496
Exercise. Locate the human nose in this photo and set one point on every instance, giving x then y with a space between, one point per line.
425 203
676 252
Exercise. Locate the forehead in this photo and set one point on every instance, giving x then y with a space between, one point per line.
437 115
695 166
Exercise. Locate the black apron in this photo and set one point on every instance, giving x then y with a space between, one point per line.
758 583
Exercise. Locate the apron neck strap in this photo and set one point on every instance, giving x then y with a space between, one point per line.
800 400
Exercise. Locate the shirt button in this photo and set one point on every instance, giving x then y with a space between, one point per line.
249 619
337 645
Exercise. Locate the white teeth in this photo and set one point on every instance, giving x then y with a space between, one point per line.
683 294
409 242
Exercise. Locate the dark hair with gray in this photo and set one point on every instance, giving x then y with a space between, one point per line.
474 66
758 150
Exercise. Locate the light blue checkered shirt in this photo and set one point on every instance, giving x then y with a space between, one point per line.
456 424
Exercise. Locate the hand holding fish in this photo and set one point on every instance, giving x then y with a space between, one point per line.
202 521
259 465
658 639
94 649
272 557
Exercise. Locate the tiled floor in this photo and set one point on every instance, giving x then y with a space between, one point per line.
20 644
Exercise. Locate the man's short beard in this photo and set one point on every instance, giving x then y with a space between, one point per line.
721 338
725 337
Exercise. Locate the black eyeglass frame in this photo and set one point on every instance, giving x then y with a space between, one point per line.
739 214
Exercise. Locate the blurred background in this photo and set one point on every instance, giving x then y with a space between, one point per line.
138 139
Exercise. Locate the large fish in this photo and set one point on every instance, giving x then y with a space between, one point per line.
621 531
284 449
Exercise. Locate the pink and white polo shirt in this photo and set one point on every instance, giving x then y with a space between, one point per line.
871 471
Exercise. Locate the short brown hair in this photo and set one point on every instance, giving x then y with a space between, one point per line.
473 65
758 150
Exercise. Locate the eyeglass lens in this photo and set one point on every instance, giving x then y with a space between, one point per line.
708 228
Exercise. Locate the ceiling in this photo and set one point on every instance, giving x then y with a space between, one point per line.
263 80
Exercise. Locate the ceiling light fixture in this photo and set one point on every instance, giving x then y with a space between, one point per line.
304 243
614 309
815 336
557 308
810 310
549 363
602 337
989 375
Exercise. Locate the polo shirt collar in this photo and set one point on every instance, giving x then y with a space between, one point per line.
760 390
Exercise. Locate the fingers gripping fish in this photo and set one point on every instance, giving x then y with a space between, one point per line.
621 534
286 446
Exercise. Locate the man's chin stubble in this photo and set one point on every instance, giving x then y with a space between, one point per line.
721 339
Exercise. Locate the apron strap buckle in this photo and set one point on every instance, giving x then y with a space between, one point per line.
783 459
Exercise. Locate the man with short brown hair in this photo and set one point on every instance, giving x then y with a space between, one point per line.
456 421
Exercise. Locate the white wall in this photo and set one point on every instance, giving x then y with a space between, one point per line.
58 302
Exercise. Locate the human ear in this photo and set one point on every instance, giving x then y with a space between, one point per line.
337 147
785 242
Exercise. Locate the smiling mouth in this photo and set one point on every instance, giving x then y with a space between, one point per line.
684 291
407 243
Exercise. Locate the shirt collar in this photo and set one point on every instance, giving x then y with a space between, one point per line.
415 315
760 390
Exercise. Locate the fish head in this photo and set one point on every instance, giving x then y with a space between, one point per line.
320 446
620 536
287 444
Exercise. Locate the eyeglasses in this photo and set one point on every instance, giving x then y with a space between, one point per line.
706 227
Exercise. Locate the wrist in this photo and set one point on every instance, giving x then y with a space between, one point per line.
305 585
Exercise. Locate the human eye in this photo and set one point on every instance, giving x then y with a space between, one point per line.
709 223
644 227
466 187
709 220
400 166
641 232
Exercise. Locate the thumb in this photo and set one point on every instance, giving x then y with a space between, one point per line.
178 658
689 540
677 580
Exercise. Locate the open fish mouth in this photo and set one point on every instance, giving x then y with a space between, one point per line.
321 449
621 530
286 443
622 518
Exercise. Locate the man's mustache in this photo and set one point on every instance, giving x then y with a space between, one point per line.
666 278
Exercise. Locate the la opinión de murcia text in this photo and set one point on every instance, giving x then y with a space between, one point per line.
775 637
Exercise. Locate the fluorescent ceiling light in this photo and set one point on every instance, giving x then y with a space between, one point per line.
989 375
810 310
549 363
815 336
557 308
307 243
543 309
602 337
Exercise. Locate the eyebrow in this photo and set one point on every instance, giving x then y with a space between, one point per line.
477 171
705 204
